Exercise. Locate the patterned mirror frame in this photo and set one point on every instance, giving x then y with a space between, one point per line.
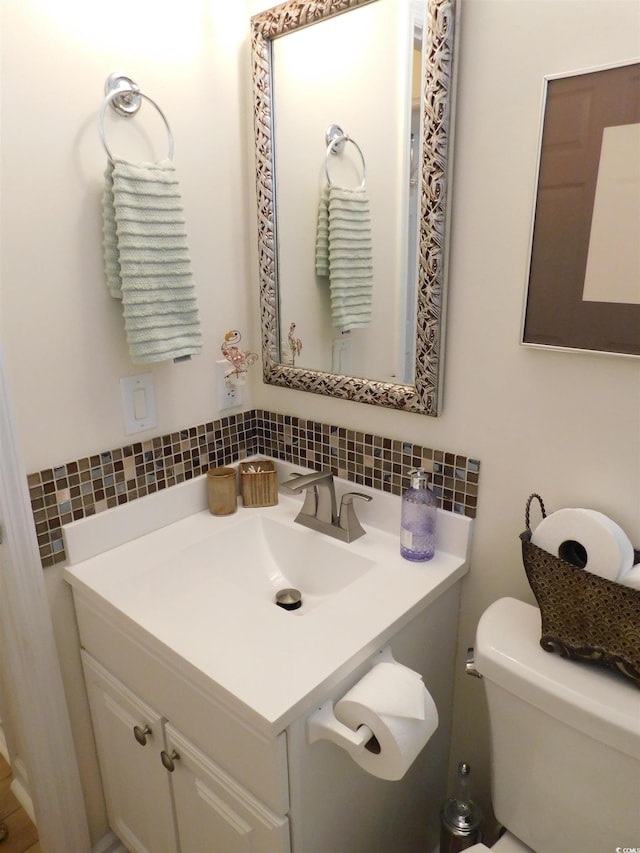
423 397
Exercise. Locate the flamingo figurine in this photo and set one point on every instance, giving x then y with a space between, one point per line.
295 344
237 358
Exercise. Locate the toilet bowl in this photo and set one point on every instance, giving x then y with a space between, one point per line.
565 741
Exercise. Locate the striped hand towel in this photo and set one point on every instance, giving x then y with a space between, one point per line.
344 254
147 260
322 235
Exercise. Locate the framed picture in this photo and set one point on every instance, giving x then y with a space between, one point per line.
584 272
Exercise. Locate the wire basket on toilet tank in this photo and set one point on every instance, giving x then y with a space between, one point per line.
585 616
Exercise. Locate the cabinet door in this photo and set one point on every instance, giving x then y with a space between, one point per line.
136 785
214 812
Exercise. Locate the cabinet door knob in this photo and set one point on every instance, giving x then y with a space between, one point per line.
141 734
168 760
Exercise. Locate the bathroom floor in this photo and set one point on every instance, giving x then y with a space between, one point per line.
22 836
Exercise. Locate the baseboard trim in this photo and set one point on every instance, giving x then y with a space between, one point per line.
109 843
23 797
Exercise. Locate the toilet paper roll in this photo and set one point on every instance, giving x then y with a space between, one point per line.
631 578
587 539
394 703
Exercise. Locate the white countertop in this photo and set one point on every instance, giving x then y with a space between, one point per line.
261 659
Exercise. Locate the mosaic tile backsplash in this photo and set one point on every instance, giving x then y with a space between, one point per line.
80 488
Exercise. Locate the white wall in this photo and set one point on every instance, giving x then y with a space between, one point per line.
564 424
567 425
62 332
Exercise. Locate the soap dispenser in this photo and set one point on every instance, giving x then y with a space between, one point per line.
418 519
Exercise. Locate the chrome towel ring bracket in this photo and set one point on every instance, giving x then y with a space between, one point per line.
336 140
125 97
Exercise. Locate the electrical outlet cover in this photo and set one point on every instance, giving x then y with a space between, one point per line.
229 394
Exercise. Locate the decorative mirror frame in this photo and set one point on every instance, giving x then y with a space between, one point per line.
423 397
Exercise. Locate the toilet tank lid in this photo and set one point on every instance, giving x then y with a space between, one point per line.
600 703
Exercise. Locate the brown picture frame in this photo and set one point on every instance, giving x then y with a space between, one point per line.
577 109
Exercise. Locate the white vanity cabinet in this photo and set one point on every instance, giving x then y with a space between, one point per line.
214 812
129 737
180 635
163 794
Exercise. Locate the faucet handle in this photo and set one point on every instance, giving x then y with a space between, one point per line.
348 519
310 505
348 497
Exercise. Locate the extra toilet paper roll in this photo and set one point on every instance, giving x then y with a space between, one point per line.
393 702
587 539
631 578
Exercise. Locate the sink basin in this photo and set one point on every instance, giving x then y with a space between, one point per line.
197 593
262 556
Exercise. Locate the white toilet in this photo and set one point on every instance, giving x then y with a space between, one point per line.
565 738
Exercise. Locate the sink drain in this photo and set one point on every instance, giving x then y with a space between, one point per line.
289 599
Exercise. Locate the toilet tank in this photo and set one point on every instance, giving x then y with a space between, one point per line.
565 739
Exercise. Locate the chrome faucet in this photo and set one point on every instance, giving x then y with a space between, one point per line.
319 510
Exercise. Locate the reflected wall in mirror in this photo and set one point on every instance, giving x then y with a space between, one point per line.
352 228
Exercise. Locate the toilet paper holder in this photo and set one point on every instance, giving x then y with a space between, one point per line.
382 722
324 725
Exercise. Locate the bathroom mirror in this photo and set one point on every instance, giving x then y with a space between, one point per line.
381 70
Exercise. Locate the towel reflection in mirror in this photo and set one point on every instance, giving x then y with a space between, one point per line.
344 254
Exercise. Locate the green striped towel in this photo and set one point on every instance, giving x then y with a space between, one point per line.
147 261
344 254
322 234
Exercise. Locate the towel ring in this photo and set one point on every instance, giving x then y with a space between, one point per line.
337 140
124 96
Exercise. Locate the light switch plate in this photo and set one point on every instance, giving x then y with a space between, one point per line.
138 402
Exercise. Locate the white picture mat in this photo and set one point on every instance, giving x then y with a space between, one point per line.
613 260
